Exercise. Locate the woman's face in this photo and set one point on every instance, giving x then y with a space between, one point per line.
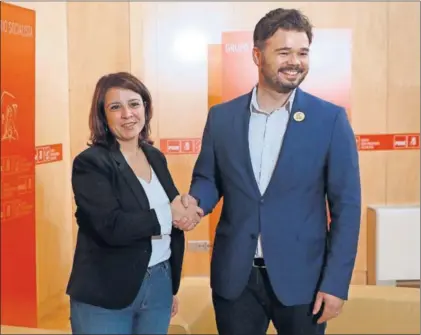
125 113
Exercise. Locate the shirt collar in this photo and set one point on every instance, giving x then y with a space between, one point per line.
254 106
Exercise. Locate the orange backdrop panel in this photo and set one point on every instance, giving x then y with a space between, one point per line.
18 253
239 73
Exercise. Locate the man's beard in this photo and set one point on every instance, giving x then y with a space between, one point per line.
284 86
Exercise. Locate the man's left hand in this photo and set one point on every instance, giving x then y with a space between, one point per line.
332 306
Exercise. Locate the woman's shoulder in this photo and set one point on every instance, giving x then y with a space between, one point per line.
93 155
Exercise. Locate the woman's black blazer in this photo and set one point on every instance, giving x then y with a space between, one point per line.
115 227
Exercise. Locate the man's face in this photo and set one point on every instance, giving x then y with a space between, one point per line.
284 60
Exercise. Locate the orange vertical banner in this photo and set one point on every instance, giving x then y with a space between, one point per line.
18 234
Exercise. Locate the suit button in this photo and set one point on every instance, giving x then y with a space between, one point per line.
262 200
253 236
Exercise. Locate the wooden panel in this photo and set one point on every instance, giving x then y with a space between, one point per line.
99 43
359 277
403 177
143 48
403 100
106 24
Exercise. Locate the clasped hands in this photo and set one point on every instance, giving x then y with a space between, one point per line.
185 212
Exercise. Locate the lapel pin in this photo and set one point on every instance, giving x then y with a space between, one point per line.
299 116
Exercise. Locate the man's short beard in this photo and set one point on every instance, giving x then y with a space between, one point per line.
279 86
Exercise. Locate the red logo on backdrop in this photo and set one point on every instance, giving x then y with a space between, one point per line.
48 153
385 142
400 141
180 146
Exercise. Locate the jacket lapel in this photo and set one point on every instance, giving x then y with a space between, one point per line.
242 124
161 170
284 164
295 129
159 167
130 177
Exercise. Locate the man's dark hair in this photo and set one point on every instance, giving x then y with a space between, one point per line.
287 19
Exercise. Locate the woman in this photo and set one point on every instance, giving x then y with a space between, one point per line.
127 264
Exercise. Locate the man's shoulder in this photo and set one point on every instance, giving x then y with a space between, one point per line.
232 106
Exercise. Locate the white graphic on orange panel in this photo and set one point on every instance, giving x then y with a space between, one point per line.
173 146
187 146
9 110
414 141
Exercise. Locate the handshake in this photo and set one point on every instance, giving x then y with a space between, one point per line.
185 212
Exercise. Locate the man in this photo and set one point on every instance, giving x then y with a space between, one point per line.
275 155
